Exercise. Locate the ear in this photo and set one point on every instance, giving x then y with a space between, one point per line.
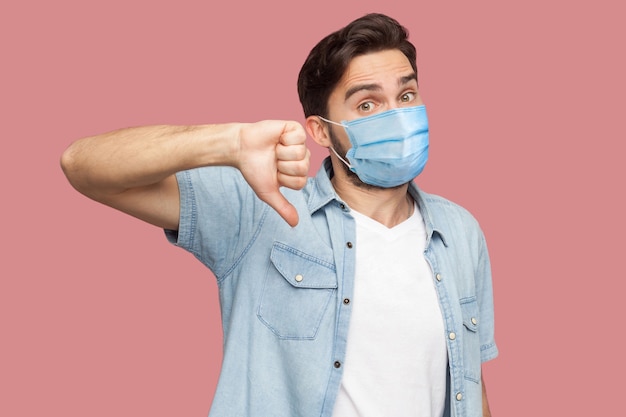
318 130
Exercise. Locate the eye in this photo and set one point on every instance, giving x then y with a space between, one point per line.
367 106
407 97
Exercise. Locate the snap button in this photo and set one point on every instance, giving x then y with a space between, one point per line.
299 277
349 245
337 364
459 396
346 301
342 206
438 276
452 335
474 321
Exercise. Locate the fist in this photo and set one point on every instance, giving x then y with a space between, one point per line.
273 154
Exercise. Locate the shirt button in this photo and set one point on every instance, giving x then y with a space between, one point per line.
349 245
459 396
346 301
299 277
474 321
452 335
438 276
342 206
337 364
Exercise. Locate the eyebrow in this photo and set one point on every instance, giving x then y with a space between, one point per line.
377 87
407 79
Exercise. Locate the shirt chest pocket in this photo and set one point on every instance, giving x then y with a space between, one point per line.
471 338
296 294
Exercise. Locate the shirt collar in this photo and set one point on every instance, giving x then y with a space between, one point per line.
323 193
426 212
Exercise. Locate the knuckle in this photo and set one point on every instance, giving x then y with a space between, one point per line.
301 182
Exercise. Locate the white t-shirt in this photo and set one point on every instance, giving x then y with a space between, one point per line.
396 357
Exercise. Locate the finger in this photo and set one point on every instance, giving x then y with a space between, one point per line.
280 204
295 182
293 168
291 152
293 134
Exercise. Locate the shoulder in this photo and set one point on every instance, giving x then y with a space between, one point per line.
225 192
453 222
444 210
211 177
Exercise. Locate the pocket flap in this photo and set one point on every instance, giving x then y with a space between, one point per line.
303 270
469 309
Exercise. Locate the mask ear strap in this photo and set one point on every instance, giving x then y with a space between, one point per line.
333 149
342 160
330 121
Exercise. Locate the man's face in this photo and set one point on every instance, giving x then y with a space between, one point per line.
372 83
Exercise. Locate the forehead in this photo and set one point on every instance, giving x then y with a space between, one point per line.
384 68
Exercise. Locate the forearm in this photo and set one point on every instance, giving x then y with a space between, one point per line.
114 162
133 169
486 410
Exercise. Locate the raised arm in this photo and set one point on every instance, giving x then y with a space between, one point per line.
133 169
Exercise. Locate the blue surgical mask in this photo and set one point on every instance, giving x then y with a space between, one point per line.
388 148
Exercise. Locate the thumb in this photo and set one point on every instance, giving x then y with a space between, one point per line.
283 207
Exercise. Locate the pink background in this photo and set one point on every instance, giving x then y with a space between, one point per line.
100 316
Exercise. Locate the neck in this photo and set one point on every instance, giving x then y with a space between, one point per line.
388 206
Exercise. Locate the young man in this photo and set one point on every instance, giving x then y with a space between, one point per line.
358 294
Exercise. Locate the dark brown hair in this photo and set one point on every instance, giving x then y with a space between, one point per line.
330 58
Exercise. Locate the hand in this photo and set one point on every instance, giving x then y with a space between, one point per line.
273 154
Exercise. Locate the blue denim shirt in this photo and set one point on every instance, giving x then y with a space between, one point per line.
286 293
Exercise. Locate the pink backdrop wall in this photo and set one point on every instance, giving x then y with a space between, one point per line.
99 316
